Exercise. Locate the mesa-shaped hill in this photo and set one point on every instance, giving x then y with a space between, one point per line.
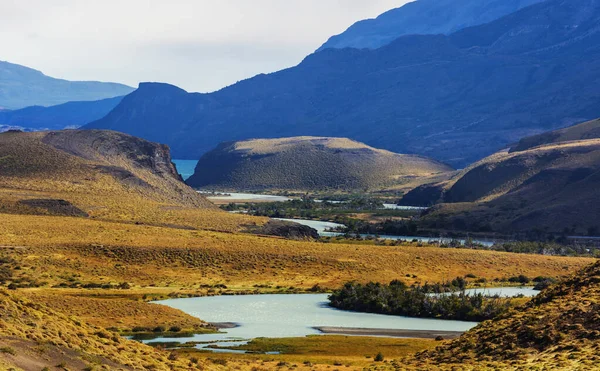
22 87
557 330
64 116
551 188
456 98
102 175
423 17
306 163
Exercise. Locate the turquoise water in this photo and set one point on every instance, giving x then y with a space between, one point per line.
185 167
280 316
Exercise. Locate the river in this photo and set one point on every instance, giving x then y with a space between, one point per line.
324 227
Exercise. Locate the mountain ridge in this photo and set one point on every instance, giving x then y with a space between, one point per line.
423 17
431 95
22 87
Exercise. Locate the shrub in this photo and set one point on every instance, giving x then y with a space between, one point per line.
158 329
174 329
8 350
379 357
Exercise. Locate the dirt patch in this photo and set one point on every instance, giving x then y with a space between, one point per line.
55 207
284 229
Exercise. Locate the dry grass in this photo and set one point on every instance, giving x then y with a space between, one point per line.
59 247
117 311
320 352
111 185
40 337
558 330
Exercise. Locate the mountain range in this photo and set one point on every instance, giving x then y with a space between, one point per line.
66 115
307 164
455 98
22 87
423 17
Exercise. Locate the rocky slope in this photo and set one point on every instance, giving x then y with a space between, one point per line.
100 174
423 17
24 87
455 98
306 163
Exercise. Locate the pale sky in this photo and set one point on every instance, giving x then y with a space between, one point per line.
199 45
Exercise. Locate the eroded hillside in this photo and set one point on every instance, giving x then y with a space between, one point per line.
101 175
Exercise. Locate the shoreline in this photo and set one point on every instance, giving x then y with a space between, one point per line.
413 334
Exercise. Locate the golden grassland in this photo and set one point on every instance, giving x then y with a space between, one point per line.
148 230
117 311
346 352
57 248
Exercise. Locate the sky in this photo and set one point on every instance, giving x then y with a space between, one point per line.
199 45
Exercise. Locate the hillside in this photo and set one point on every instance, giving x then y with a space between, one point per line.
101 175
550 188
35 337
24 87
586 130
306 163
423 17
67 115
559 329
454 98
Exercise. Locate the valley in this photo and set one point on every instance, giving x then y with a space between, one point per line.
420 193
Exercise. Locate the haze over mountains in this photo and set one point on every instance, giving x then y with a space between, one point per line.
308 164
66 115
423 17
490 85
23 87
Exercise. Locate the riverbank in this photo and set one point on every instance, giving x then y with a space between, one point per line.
394 333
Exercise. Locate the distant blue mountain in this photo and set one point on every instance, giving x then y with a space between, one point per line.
455 98
424 17
22 87
67 115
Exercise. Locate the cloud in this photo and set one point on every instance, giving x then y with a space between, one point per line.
200 45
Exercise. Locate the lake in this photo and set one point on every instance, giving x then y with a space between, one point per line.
281 316
278 316
185 167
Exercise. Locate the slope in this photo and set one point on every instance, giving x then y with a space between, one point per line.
102 175
306 163
423 17
67 115
586 130
35 337
454 98
23 87
559 329
550 188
